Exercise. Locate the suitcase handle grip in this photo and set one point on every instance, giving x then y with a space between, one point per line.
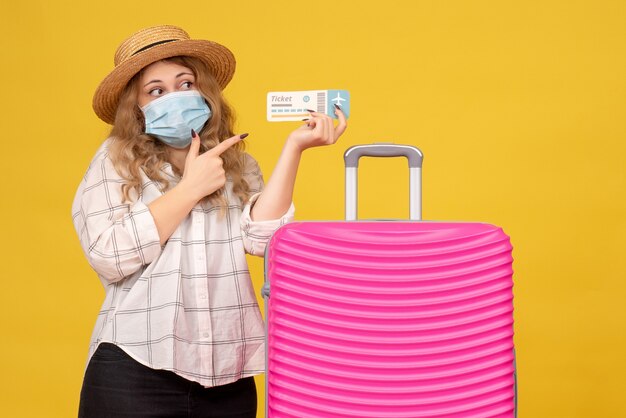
382 149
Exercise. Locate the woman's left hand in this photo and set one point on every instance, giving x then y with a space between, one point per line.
277 196
319 130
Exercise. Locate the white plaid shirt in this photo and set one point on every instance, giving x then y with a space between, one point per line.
188 306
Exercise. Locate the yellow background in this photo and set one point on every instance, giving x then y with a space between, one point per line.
518 107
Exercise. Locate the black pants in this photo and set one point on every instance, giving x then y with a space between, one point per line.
115 385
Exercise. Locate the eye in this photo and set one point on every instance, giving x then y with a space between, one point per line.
186 85
156 92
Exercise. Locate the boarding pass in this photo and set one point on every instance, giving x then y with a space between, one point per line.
294 105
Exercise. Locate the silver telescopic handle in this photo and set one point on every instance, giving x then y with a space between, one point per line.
413 155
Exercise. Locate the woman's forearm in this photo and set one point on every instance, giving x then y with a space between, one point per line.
276 198
277 195
170 209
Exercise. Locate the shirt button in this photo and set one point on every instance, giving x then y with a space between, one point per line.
206 335
202 296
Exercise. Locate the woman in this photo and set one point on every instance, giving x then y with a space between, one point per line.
168 208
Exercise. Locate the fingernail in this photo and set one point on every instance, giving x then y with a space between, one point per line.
193 133
309 110
337 106
242 136
304 120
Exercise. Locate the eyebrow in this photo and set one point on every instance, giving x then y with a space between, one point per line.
160 81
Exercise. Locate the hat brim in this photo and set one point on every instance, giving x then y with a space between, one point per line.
219 59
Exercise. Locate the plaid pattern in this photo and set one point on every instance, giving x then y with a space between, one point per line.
188 306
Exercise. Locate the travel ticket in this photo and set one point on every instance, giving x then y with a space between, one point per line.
285 106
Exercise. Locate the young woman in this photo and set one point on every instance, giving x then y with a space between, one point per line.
168 208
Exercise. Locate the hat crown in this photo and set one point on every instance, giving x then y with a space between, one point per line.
146 38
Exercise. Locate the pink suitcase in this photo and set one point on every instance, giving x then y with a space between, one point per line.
389 319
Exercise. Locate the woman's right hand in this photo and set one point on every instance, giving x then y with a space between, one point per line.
205 173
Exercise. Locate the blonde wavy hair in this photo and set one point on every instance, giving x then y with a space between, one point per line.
132 150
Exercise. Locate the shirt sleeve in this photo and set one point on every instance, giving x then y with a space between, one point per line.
256 234
117 238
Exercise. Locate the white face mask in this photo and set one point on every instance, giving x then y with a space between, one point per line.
172 117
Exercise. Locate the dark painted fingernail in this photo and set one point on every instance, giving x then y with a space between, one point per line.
337 106
242 136
193 133
304 120
309 110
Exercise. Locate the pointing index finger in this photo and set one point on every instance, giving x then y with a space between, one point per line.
227 143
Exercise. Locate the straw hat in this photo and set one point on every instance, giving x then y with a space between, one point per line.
153 44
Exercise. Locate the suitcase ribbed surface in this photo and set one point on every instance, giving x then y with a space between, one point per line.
390 319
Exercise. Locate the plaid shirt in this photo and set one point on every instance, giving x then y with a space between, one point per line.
188 306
